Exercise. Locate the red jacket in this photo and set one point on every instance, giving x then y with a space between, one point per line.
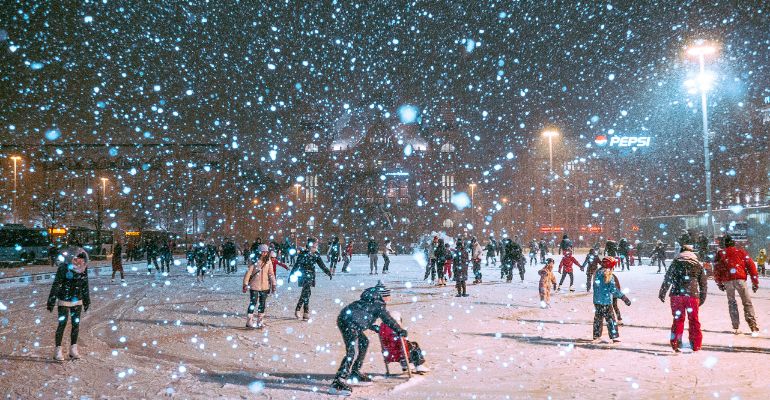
734 264
566 263
276 263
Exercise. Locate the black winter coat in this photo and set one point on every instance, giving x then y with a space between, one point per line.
306 263
460 265
371 247
69 285
686 277
361 314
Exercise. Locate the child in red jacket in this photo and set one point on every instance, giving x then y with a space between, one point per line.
565 268
393 352
276 263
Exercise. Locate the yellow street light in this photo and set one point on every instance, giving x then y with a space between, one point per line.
15 159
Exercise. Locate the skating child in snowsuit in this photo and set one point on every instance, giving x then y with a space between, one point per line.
761 261
547 281
605 290
565 268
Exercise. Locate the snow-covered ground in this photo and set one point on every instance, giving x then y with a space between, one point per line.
169 337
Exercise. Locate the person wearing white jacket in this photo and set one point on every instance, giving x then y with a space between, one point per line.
386 256
260 282
476 259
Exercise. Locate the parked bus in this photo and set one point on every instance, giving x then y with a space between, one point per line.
87 238
19 243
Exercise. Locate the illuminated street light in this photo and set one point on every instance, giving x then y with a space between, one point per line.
15 173
703 83
297 186
104 188
550 134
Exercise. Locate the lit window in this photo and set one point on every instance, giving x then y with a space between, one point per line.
311 148
448 223
447 148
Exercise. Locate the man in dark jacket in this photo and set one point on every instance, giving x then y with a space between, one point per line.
623 253
371 251
565 244
304 272
688 283
592 262
352 322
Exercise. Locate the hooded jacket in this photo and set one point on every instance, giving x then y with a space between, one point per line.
686 277
70 286
734 264
605 291
567 261
361 314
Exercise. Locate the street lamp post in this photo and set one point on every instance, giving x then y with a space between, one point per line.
473 208
701 51
550 134
15 173
297 186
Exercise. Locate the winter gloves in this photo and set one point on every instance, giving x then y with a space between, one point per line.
754 288
402 332
626 300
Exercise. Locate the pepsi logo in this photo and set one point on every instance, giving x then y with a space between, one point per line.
601 140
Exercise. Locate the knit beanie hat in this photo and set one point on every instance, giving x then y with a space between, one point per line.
382 289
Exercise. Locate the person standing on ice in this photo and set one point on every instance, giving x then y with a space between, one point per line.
441 255
70 295
533 252
431 268
117 261
334 254
565 244
591 265
259 280
460 268
605 290
565 268
347 255
304 272
610 248
543 246
386 252
476 259
659 254
689 285
371 251
547 281
623 254
733 266
491 251
761 261
353 321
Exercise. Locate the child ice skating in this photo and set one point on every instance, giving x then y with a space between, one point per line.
689 284
393 352
565 268
547 281
259 280
604 291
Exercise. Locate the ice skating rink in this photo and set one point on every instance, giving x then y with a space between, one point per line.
160 337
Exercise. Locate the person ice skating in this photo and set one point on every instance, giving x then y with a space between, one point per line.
347 255
442 257
638 247
151 251
591 265
371 251
533 252
547 281
659 254
277 263
513 256
476 259
623 250
565 244
117 262
304 273
565 268
259 280
733 266
200 262
386 252
605 290
353 321
688 283
543 246
70 295
431 269
334 254
761 261
460 268
611 248
703 246
391 345
491 251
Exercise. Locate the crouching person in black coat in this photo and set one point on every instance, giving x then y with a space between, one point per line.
352 322
69 293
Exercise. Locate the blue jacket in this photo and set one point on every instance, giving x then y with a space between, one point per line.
604 292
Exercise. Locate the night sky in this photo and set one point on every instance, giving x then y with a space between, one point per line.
238 72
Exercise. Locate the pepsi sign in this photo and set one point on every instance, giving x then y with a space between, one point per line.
623 141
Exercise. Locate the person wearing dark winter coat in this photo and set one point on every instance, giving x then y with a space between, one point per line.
117 262
610 248
659 253
304 272
431 268
513 256
592 263
442 254
491 252
623 249
733 266
352 322
371 251
533 252
543 246
460 268
334 254
70 295
689 284
565 244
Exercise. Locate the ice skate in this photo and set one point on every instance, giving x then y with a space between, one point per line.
305 316
596 340
422 369
297 314
74 354
571 289
339 388
57 354
359 379
616 341
260 320
250 320
737 331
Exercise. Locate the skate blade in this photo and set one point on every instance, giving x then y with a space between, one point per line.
336 392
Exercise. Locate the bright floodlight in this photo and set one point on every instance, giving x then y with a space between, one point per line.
551 133
701 50
15 158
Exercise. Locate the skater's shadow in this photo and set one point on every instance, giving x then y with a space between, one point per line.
38 359
168 322
590 323
728 349
301 382
565 342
